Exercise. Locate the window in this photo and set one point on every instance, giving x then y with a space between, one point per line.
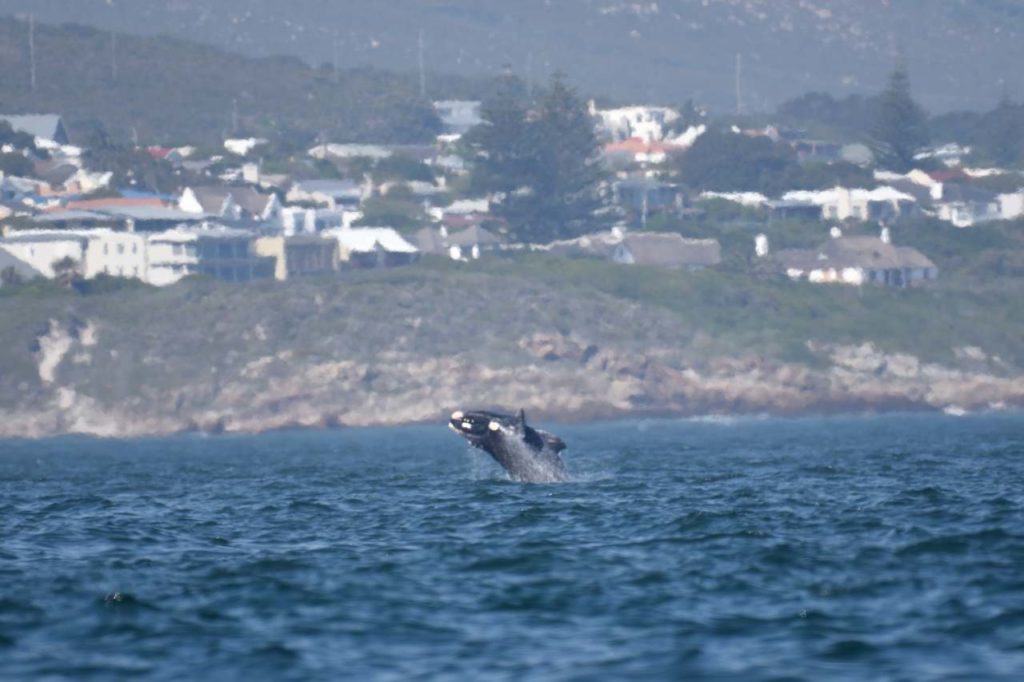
120 249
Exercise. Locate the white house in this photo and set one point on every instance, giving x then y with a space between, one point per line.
667 250
458 116
95 252
216 251
47 129
230 203
368 247
329 193
11 264
243 146
350 151
645 122
965 206
858 261
841 203
1011 206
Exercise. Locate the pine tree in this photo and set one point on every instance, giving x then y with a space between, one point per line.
1001 135
565 200
500 146
900 128
541 165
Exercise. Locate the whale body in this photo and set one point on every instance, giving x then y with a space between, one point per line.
529 455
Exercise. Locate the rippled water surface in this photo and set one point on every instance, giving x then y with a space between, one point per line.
867 548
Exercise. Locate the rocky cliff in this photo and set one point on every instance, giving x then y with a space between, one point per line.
411 347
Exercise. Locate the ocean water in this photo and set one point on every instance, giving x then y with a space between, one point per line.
884 548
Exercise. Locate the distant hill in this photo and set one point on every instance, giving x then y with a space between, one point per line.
168 90
962 53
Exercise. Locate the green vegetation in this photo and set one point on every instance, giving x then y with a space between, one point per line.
170 91
542 163
900 128
190 343
399 210
773 317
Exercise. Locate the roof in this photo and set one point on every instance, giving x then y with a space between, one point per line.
464 206
744 198
369 239
831 196
40 236
185 233
854 252
636 145
151 213
114 203
347 151
248 199
475 236
671 250
596 245
329 187
44 126
56 172
71 214
960 192
430 240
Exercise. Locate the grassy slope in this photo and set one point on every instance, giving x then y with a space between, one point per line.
196 332
775 317
172 91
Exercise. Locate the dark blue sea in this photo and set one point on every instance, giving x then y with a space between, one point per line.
875 548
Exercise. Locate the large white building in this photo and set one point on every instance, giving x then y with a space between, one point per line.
643 122
224 253
95 252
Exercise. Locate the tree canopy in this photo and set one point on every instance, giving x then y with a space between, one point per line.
900 128
540 164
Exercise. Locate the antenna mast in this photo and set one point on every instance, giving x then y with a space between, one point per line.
739 84
529 73
32 51
423 68
336 58
113 56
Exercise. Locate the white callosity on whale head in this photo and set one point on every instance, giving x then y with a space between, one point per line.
457 415
494 425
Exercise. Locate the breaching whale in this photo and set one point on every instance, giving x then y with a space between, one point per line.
529 455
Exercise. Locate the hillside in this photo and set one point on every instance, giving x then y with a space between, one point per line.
565 339
962 52
172 91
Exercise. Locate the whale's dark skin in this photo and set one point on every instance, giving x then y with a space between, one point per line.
529 455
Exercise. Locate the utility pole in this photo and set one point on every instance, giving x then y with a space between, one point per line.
529 74
336 59
423 68
113 56
739 83
32 51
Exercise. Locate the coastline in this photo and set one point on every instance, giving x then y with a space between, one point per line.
70 412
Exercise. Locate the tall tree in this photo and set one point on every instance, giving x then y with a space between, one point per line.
725 161
1001 133
542 166
500 146
900 128
565 200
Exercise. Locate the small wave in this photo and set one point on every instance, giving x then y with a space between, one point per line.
943 545
848 649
